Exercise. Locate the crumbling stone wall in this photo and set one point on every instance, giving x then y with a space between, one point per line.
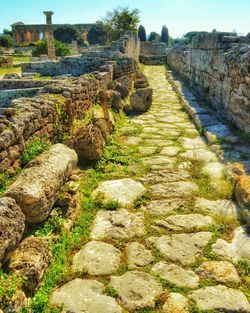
217 67
153 53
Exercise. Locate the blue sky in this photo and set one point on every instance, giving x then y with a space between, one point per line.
180 16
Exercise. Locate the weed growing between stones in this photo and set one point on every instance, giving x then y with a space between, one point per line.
7 288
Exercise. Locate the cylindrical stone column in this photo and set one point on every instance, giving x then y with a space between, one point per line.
50 36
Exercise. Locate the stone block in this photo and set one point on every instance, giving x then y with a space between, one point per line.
141 100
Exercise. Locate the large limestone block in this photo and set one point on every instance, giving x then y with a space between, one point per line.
80 295
30 260
136 289
97 258
11 227
220 298
141 100
36 188
124 191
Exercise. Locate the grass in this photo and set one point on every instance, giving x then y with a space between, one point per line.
21 59
5 70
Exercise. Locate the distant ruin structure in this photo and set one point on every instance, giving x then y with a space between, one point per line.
50 36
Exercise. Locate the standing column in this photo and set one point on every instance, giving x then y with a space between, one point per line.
50 36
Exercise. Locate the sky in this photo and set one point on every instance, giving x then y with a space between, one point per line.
180 16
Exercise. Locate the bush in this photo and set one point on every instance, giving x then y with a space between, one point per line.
97 34
6 41
154 37
62 49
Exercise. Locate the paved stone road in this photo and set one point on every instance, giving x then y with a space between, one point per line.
179 250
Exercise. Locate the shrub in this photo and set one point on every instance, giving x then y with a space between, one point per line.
67 34
97 34
62 49
6 41
154 37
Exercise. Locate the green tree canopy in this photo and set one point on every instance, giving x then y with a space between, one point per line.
67 34
142 33
62 49
165 35
154 36
190 35
97 34
119 20
7 32
6 41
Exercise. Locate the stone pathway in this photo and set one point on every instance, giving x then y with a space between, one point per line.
177 252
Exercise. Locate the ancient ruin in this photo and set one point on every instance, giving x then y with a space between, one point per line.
124 178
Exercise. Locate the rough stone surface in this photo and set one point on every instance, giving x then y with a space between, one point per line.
31 260
225 208
138 255
192 143
164 207
11 227
136 289
176 189
36 188
215 170
176 303
221 271
141 100
220 298
81 295
202 155
170 151
183 248
164 176
120 224
97 258
124 191
185 222
176 275
238 248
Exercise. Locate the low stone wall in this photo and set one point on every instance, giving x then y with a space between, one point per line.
6 96
217 67
7 84
127 46
153 53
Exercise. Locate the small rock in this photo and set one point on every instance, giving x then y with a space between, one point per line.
31 260
138 255
217 207
117 224
81 295
97 258
238 248
12 224
176 275
221 271
176 303
220 298
182 248
136 289
185 222
124 191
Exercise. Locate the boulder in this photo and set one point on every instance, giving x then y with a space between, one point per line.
114 98
141 81
242 194
121 85
37 187
31 260
141 99
12 224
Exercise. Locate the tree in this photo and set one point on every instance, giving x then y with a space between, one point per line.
97 34
6 41
164 35
190 35
62 49
7 32
142 33
119 20
154 37
67 34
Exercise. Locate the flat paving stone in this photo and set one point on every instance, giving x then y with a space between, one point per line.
172 119
202 155
185 222
182 248
158 160
117 224
214 170
170 151
174 189
82 295
223 207
238 248
124 191
164 176
97 258
221 271
192 143
132 141
220 298
147 150
136 289
138 256
176 275
164 206
176 303
158 142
